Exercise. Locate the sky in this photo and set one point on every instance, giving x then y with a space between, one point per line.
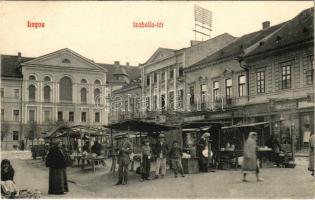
104 32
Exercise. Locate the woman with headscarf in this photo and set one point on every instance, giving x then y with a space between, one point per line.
7 174
56 161
250 157
311 154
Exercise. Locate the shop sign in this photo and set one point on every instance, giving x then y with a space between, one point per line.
285 106
194 118
305 104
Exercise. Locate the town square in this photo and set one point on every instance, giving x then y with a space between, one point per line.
180 99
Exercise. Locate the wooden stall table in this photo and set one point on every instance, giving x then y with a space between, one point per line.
190 165
78 159
90 161
224 156
263 154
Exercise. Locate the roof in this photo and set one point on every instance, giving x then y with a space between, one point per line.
10 65
236 48
298 29
133 72
136 83
140 126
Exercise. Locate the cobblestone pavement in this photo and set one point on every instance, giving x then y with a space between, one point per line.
279 182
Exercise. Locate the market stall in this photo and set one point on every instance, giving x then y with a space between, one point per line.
232 140
192 133
137 127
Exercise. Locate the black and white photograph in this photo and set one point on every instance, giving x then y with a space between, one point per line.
157 99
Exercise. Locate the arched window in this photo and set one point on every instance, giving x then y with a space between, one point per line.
97 97
83 95
97 82
65 89
47 93
83 81
31 93
32 78
47 79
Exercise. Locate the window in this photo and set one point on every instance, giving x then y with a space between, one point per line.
60 116
155 77
203 90
32 78
241 85
97 82
2 92
180 94
47 93
126 106
83 95
31 115
66 60
15 135
47 79
286 76
65 89
83 81
71 116
16 93
261 82
192 95
46 115
155 102
163 76
181 71
31 93
163 101
97 117
83 117
147 103
216 87
16 114
171 100
2 114
228 88
309 77
148 80
97 97
171 74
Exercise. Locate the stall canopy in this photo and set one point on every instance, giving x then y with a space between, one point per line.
245 125
76 131
140 126
201 124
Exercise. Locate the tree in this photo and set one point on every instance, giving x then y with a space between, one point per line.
4 134
33 131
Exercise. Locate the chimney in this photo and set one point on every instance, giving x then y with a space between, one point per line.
265 24
19 54
116 63
127 64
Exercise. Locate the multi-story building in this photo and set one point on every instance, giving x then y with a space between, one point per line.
163 85
63 86
281 77
262 76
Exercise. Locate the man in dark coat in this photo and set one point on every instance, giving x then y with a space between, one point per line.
161 153
56 161
201 146
96 148
123 161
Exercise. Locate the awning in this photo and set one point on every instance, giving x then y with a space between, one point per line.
140 126
201 124
245 125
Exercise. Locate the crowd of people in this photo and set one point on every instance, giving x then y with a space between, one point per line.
56 161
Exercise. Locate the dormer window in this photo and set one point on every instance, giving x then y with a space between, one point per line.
66 60
278 39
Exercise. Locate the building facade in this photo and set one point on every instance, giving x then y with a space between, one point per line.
61 87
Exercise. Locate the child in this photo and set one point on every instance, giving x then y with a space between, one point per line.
176 156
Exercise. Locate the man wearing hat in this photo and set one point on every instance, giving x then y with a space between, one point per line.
161 155
123 160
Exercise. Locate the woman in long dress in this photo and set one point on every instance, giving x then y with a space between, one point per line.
311 154
250 157
56 161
